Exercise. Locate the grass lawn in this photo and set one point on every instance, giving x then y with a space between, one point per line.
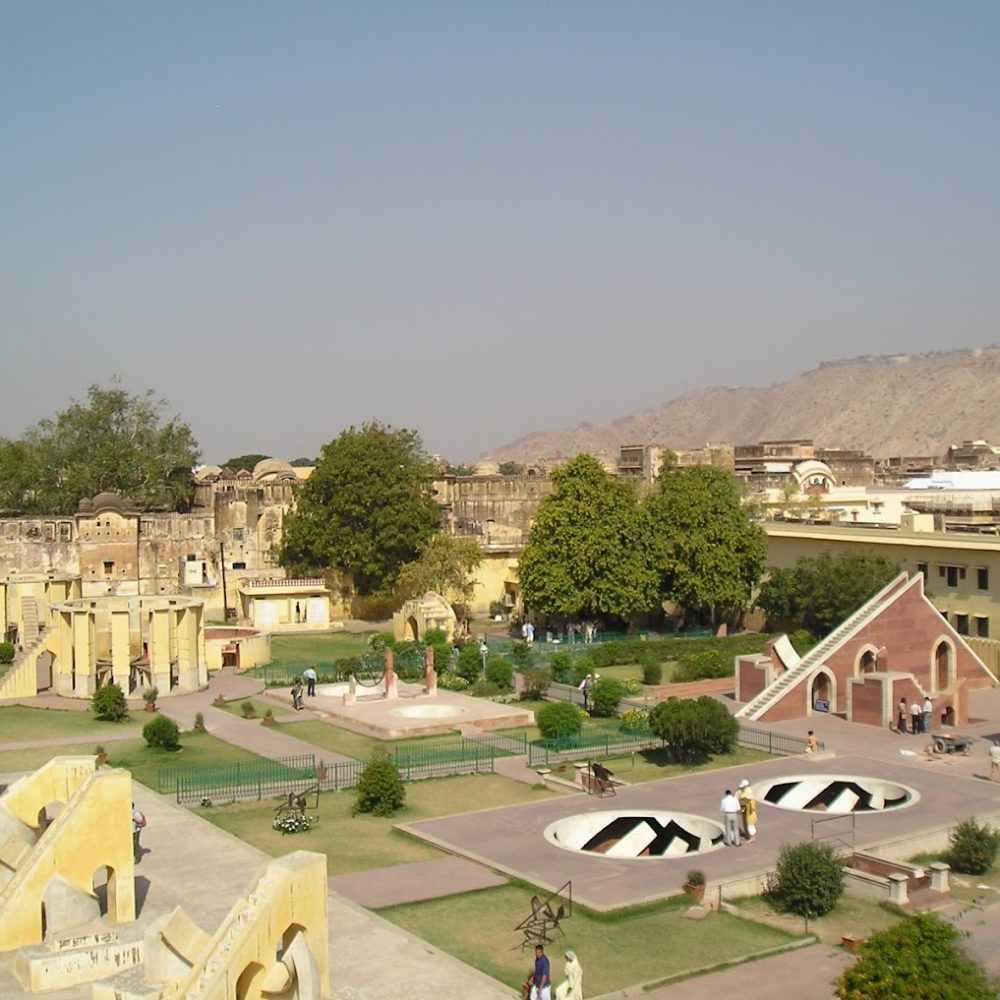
260 706
615 952
18 723
325 648
142 760
849 916
966 888
358 843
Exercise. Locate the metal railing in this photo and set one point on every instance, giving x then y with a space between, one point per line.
775 743
237 779
435 758
574 746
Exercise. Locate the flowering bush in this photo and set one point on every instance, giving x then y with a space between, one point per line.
635 720
292 822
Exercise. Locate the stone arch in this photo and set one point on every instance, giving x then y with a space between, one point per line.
45 667
289 935
866 661
823 691
250 981
105 885
942 664
412 628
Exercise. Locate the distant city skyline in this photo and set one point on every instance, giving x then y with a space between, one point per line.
480 221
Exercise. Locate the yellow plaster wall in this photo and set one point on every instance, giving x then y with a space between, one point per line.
491 576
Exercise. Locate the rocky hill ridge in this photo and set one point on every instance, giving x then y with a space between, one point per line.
894 405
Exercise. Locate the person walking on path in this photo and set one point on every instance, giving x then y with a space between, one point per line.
731 815
309 675
928 711
572 989
541 976
585 685
297 695
901 717
812 743
995 761
748 807
916 717
138 824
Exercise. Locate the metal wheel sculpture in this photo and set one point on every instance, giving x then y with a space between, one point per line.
371 668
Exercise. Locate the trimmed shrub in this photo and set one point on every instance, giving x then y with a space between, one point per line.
6 652
693 730
436 637
558 717
537 681
973 847
561 665
380 789
108 703
652 672
500 673
808 880
703 665
487 689
162 732
452 682
635 720
605 695
918 957
802 641
521 651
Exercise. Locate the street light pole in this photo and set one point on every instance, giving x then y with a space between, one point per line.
484 652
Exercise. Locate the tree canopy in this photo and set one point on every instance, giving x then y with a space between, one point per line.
710 553
366 510
444 566
247 462
919 957
589 551
111 442
819 593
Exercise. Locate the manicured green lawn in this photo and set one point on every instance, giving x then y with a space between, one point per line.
19 723
651 765
357 843
646 946
142 760
850 916
324 648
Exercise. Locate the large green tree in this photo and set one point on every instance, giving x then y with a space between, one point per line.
919 957
710 553
445 566
589 551
366 510
819 593
112 441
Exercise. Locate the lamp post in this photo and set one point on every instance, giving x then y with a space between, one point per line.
484 652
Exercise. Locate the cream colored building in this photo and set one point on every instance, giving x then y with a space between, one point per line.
961 570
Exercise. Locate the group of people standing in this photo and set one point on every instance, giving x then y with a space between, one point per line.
739 815
920 716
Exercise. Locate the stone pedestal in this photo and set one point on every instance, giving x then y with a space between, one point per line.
940 877
897 889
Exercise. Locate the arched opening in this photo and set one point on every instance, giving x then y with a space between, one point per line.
868 663
47 815
286 939
248 986
822 692
412 628
948 715
944 657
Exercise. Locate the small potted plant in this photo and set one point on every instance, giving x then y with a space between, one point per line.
199 722
219 701
101 754
695 884
247 710
149 696
268 719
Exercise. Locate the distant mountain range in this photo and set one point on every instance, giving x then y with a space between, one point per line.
896 405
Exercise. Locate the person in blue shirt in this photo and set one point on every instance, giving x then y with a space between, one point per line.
541 980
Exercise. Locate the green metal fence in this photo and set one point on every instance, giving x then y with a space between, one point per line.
573 746
237 779
435 758
776 743
274 674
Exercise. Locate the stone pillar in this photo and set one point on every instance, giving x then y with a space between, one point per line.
159 649
391 684
84 654
351 698
63 666
897 889
430 674
187 649
121 649
940 877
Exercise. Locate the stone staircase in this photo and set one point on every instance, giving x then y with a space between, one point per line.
754 709
20 679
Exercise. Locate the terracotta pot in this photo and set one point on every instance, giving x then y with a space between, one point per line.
150 706
268 720
102 759
695 891
199 728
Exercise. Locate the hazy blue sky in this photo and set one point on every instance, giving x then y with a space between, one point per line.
481 219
